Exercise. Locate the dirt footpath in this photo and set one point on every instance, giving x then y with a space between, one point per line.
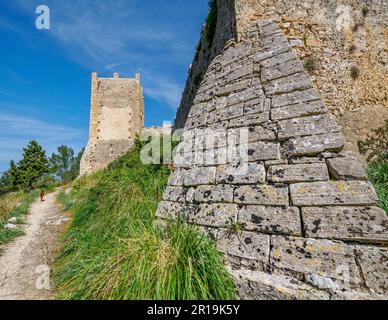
25 263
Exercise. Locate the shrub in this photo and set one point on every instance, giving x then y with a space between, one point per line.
365 11
355 72
378 175
311 64
352 49
376 145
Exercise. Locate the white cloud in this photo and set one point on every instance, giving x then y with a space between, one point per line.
125 36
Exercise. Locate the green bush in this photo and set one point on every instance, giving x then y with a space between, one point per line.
115 248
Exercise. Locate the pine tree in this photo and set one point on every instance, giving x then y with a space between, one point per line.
14 175
33 165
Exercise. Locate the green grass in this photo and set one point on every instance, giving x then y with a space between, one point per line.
115 248
378 175
14 205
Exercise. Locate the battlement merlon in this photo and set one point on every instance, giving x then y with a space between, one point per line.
116 75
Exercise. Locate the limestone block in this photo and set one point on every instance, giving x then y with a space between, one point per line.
307 160
260 151
333 193
275 163
307 126
298 110
313 145
281 70
290 83
260 133
218 215
263 195
247 173
285 55
245 245
334 261
199 176
346 223
298 173
255 285
274 56
251 120
273 220
374 266
255 106
246 70
233 87
169 210
296 97
219 193
175 194
347 168
176 178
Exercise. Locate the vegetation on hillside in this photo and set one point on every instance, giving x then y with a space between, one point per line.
116 249
376 148
14 205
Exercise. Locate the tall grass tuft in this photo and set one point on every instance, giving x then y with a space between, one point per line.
115 248
378 175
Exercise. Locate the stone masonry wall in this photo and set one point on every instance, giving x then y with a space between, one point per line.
294 215
332 37
116 117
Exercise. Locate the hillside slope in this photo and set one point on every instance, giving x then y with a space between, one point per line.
114 248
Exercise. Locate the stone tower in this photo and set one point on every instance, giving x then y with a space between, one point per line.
116 117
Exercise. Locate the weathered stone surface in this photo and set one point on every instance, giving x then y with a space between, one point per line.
256 285
252 120
374 265
263 195
300 81
307 160
334 261
256 106
259 133
281 70
176 178
313 145
169 210
298 173
346 223
247 173
347 168
218 215
285 55
260 151
295 98
198 176
247 245
306 126
333 193
298 110
219 193
273 220
175 194
116 117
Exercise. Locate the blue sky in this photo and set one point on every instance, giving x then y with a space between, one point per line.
45 74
